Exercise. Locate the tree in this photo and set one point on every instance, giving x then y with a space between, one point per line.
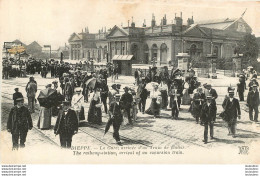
249 48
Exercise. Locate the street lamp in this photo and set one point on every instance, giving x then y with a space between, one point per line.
48 46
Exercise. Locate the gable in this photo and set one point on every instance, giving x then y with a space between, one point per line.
117 32
74 37
240 26
195 32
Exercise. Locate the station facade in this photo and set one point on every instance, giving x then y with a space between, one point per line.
160 43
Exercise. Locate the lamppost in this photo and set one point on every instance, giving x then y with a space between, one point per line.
48 46
92 64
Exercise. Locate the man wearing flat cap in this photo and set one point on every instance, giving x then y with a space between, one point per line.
232 112
208 113
19 122
16 95
126 102
253 103
66 125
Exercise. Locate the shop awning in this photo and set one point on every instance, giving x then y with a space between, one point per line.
122 57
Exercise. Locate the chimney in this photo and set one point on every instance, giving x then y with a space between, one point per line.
85 30
164 20
190 21
128 24
178 20
105 29
153 22
133 23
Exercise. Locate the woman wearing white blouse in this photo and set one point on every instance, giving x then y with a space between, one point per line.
154 108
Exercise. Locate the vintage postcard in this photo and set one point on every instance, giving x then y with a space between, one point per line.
130 82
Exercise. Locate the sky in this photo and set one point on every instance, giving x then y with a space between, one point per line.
51 22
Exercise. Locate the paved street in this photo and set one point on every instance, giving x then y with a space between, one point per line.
146 131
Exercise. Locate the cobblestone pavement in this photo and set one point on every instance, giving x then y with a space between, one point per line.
146 131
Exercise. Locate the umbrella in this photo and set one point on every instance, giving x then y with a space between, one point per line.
47 97
109 123
93 83
151 85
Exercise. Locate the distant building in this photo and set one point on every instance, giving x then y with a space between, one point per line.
34 48
160 41
64 50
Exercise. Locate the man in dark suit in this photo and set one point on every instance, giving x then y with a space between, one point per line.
19 122
16 95
208 112
126 102
66 125
104 93
214 95
253 103
116 117
232 111
143 96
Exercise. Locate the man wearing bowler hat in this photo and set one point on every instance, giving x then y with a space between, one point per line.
208 113
126 102
19 122
66 125
116 117
253 102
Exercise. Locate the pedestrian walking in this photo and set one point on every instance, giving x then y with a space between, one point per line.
116 117
18 124
77 104
95 112
231 112
173 101
142 93
198 100
45 114
66 125
31 89
253 103
208 113
104 94
16 95
126 103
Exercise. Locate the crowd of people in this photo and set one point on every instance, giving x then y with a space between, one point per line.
165 89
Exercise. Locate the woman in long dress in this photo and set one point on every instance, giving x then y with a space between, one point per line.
186 99
95 113
163 87
44 121
154 108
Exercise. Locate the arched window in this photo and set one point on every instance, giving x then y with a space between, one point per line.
134 51
154 52
146 54
163 51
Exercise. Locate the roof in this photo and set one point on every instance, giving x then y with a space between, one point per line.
218 23
122 57
18 42
34 43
